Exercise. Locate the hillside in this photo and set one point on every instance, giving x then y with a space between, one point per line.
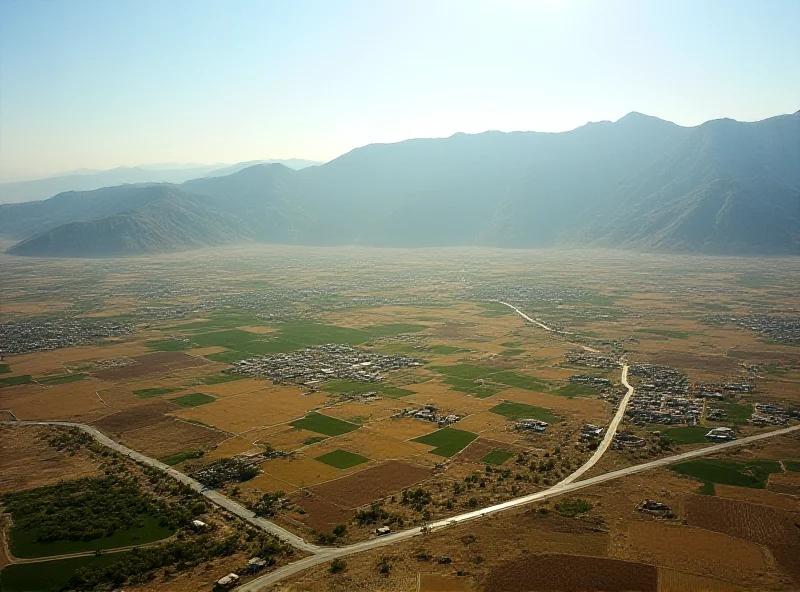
172 220
724 187
38 189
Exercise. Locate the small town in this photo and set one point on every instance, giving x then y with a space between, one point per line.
312 365
40 335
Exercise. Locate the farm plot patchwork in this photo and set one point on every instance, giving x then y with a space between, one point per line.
323 424
497 457
341 459
370 484
730 472
760 524
447 441
193 400
513 410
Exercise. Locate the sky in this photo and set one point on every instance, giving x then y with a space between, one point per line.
106 83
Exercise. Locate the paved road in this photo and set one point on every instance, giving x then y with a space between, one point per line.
213 496
527 318
328 554
610 431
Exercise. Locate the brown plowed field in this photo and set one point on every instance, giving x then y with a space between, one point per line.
155 363
670 580
26 460
441 583
483 446
136 417
570 573
692 549
321 515
170 437
785 483
370 484
759 496
763 525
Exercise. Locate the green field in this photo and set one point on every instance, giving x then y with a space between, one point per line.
231 338
221 320
60 379
354 386
323 424
753 474
519 381
168 345
736 414
24 544
149 393
179 457
509 353
15 380
575 390
793 466
448 441
341 459
665 333
49 575
314 440
5 369
523 411
707 489
193 400
687 435
470 387
496 457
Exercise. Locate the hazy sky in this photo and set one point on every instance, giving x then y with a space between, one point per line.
105 83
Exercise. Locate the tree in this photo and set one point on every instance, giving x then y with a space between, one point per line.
338 565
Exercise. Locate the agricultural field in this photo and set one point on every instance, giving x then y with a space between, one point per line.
414 442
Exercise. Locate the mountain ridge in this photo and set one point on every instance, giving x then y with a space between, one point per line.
723 187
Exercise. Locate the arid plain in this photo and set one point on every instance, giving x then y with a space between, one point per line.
336 391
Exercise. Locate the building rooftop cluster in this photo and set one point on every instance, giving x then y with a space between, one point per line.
312 365
662 397
532 425
20 337
430 413
589 432
765 414
780 329
590 380
590 360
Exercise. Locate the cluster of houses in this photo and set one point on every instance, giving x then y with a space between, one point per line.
590 360
768 414
312 365
781 329
430 413
30 335
590 380
254 565
532 425
661 397
520 295
589 432
625 439
722 434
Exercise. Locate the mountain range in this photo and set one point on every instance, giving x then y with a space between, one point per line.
86 180
723 187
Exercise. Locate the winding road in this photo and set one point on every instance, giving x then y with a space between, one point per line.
321 555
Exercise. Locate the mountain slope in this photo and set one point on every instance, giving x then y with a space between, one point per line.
724 187
172 220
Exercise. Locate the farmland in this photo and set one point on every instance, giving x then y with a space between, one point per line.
354 437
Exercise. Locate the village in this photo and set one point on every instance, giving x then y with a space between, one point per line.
46 334
774 328
312 365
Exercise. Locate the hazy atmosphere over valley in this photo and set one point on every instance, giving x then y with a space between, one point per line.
399 296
